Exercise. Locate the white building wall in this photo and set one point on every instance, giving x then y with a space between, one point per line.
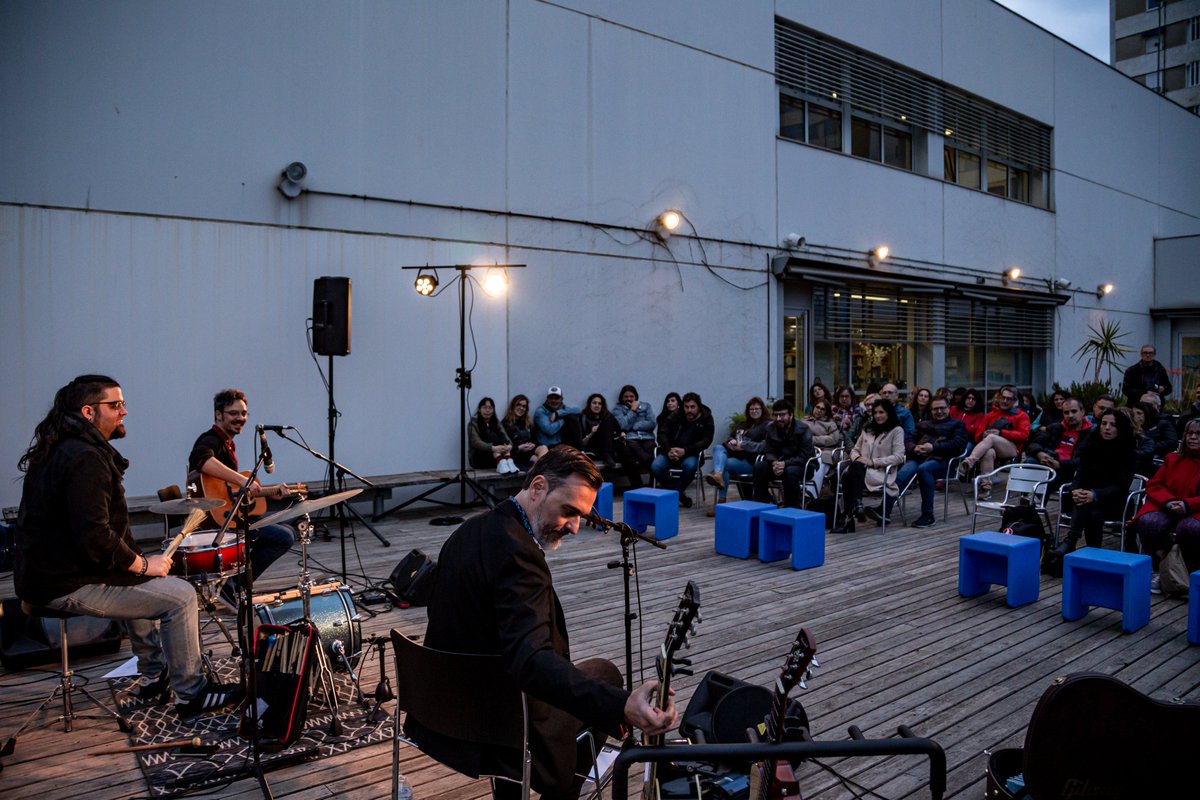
141 233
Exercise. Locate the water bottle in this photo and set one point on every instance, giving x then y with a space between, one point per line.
403 789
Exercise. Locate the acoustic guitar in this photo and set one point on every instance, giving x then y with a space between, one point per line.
665 665
215 488
770 779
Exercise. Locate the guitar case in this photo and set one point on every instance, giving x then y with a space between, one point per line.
1091 735
723 707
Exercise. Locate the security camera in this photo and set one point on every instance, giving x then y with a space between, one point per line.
1062 283
293 174
794 240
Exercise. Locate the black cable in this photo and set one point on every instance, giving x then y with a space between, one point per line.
704 258
849 783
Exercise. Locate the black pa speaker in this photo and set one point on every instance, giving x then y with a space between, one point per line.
27 642
331 316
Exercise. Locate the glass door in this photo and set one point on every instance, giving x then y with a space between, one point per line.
795 359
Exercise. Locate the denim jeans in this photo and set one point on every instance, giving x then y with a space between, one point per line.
267 544
928 473
660 466
161 618
730 467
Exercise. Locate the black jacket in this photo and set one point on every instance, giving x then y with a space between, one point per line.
1139 380
793 446
73 524
1048 439
1163 434
1105 468
948 437
694 436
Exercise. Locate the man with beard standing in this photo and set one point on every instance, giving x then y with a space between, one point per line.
493 594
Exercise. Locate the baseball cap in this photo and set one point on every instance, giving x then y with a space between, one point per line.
554 390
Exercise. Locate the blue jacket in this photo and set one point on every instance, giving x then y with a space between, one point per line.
636 424
948 437
906 421
547 432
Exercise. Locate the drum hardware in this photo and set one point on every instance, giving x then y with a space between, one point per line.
383 689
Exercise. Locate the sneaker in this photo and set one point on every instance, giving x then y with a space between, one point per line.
212 697
716 479
147 689
924 521
1155 584
685 501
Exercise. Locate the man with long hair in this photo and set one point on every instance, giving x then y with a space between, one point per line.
75 551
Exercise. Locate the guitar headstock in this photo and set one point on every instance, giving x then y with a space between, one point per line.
687 614
800 661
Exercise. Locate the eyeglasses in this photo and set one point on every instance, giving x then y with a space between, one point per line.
118 405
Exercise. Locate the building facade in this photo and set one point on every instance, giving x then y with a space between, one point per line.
1157 43
143 231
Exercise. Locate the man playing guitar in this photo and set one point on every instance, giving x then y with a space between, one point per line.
215 454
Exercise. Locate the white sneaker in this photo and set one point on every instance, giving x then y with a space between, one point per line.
502 466
512 467
1155 584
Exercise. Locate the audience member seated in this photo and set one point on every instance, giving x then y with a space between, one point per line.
682 437
600 436
1005 431
555 423
971 412
637 426
863 419
787 449
1103 403
825 431
1160 430
918 404
734 458
1028 403
879 446
1055 446
1147 375
519 428
1143 445
671 403
1101 483
818 391
488 446
1172 505
1193 412
1051 413
939 439
890 393
846 412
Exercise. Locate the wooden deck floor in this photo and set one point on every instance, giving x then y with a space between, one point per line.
897 645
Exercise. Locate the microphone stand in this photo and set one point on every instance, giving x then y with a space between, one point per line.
339 485
629 538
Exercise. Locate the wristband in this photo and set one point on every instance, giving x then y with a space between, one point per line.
145 566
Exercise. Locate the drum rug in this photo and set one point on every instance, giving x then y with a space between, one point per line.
223 756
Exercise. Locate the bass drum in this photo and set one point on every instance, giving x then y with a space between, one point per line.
333 614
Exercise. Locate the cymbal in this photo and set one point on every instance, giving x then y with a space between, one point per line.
306 507
186 505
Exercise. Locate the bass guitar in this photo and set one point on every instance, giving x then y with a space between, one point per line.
773 780
217 489
665 665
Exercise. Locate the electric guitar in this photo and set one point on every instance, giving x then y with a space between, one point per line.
686 616
772 780
215 488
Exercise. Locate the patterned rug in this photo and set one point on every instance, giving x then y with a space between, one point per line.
176 771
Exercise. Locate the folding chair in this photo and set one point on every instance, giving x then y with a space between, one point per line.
1133 501
837 496
1031 481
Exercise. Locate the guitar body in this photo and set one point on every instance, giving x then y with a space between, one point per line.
217 489
782 783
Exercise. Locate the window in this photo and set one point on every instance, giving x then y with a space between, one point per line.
1153 42
805 121
962 167
1193 73
997 176
1153 80
1194 29
897 148
865 139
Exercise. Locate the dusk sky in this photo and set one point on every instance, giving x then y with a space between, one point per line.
1083 23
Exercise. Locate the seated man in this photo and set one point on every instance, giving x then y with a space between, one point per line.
555 423
75 551
890 392
938 440
1103 403
493 593
1147 375
1005 432
1056 444
786 451
681 439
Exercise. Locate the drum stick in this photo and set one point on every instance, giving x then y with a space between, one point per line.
189 525
174 545
137 748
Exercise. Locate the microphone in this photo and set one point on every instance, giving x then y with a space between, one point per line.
268 462
276 428
605 525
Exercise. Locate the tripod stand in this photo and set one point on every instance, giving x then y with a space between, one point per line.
462 379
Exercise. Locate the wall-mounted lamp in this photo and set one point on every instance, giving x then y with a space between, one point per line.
425 284
794 241
1011 274
292 176
1103 289
878 254
495 281
666 223
1062 283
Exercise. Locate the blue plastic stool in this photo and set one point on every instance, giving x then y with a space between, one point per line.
791 531
657 507
1194 608
603 506
1109 579
735 528
1000 558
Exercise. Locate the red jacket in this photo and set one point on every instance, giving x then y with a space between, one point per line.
1177 479
1017 430
973 420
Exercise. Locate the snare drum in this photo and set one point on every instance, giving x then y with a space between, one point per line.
332 609
197 556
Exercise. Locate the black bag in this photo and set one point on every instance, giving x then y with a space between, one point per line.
1024 520
413 578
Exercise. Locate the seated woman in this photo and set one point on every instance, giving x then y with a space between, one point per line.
825 431
971 411
1143 445
488 446
818 391
734 458
857 428
671 404
918 403
637 426
519 427
601 437
1172 505
1102 479
1005 431
881 445
1052 413
846 412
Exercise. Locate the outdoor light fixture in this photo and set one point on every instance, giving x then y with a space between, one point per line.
1011 274
425 284
291 178
794 240
666 223
495 281
878 254
1062 283
1103 289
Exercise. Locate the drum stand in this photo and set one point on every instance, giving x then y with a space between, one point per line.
324 671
